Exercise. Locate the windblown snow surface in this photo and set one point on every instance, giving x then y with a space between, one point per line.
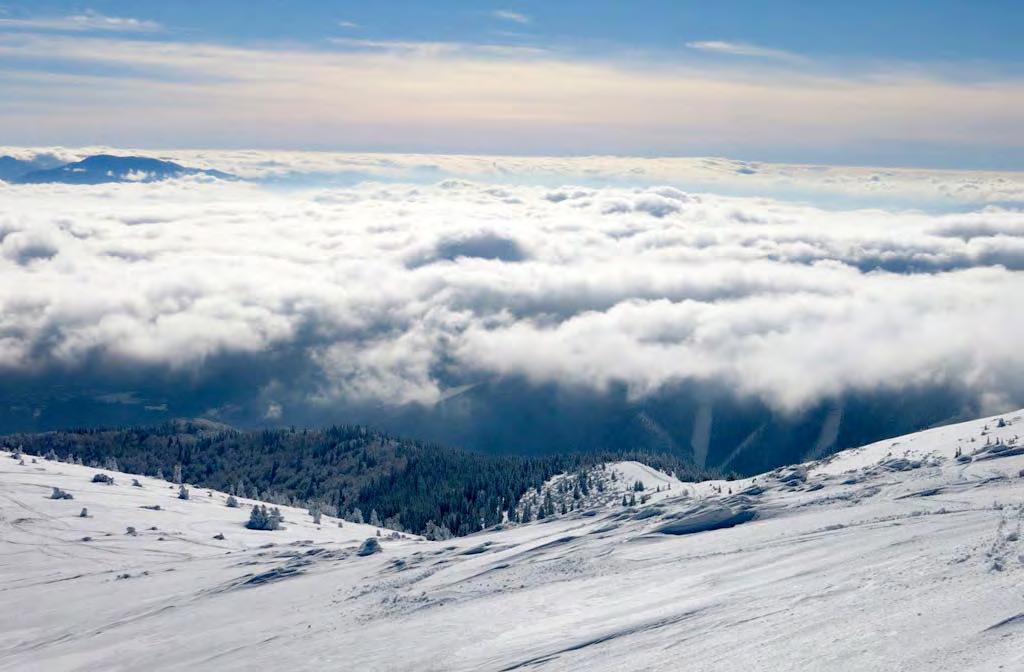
899 555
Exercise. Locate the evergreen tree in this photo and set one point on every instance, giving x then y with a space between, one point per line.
260 518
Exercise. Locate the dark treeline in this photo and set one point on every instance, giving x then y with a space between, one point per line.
350 471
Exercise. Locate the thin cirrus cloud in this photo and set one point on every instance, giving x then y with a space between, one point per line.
508 15
477 98
742 49
86 22
63 76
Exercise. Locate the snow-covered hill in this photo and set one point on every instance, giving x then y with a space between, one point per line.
626 483
902 555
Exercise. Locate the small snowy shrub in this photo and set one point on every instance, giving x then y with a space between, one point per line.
131 531
182 492
135 483
231 502
60 494
103 478
84 513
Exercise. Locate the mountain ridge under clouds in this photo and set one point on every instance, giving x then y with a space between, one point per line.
99 169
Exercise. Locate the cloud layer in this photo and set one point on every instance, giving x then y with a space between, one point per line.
390 294
828 185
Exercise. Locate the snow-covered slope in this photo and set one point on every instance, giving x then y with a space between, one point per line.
610 484
901 555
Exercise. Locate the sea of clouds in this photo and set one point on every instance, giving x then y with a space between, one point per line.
390 293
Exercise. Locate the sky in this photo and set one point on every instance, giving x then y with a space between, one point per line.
933 84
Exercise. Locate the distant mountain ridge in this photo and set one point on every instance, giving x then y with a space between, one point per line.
100 169
12 168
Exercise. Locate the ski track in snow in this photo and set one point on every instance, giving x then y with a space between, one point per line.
893 556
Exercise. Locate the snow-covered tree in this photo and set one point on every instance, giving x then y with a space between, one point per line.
262 519
435 532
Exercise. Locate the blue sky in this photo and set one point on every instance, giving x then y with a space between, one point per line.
908 83
913 30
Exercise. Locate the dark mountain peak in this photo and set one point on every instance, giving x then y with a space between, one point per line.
134 162
105 168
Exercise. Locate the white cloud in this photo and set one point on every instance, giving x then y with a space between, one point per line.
507 15
392 293
831 185
86 22
741 49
